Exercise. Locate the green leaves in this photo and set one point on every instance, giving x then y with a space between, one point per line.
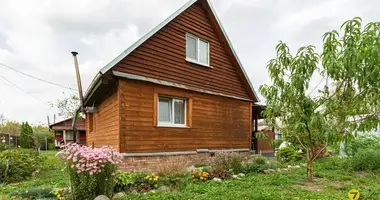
350 100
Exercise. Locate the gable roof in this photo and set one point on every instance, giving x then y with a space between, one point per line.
67 123
125 53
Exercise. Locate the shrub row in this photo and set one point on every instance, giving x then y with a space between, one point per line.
17 165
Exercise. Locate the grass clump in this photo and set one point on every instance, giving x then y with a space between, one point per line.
367 160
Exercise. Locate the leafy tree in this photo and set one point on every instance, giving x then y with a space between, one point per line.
349 101
26 136
10 127
67 106
43 135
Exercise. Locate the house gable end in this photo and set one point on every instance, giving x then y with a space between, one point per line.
161 54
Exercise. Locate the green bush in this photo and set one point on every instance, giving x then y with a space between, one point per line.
125 180
258 165
16 165
91 170
367 159
3 146
33 193
334 163
226 161
362 142
288 154
87 186
175 180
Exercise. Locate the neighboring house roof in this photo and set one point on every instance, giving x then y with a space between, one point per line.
66 124
97 80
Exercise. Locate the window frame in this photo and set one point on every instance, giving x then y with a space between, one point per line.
171 123
196 61
67 133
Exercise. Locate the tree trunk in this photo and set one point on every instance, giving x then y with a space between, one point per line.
309 171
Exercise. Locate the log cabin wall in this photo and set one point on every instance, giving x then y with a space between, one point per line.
163 55
214 122
103 126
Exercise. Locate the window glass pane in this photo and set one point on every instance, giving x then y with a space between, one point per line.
203 52
164 109
179 111
191 47
69 135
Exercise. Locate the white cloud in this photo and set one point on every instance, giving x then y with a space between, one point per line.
37 36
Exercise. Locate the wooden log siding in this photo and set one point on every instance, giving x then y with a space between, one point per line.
163 56
106 123
215 122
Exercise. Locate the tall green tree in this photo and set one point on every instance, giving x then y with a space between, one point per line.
349 101
26 136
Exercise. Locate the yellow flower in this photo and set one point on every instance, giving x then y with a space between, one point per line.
150 179
156 178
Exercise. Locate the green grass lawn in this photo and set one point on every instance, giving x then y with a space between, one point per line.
50 176
333 181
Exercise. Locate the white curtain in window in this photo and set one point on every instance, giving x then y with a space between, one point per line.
203 52
69 135
164 110
179 111
191 47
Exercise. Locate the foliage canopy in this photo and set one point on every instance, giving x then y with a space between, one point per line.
350 99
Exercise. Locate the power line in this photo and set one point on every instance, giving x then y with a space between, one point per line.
40 79
316 86
18 87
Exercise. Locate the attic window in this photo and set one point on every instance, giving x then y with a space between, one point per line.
197 50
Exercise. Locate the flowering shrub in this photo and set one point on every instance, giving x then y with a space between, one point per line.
151 181
226 161
199 174
59 194
91 170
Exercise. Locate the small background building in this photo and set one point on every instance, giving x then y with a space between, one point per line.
10 139
63 132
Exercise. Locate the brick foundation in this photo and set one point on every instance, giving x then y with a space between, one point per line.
151 163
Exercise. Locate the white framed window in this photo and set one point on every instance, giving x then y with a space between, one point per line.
197 50
171 111
68 135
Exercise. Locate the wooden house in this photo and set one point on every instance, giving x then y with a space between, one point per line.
179 90
64 133
10 138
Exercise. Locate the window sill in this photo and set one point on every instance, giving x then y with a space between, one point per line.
171 126
198 63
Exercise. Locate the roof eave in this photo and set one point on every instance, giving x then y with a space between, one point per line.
233 50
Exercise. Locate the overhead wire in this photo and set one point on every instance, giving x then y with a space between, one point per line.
18 87
36 78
